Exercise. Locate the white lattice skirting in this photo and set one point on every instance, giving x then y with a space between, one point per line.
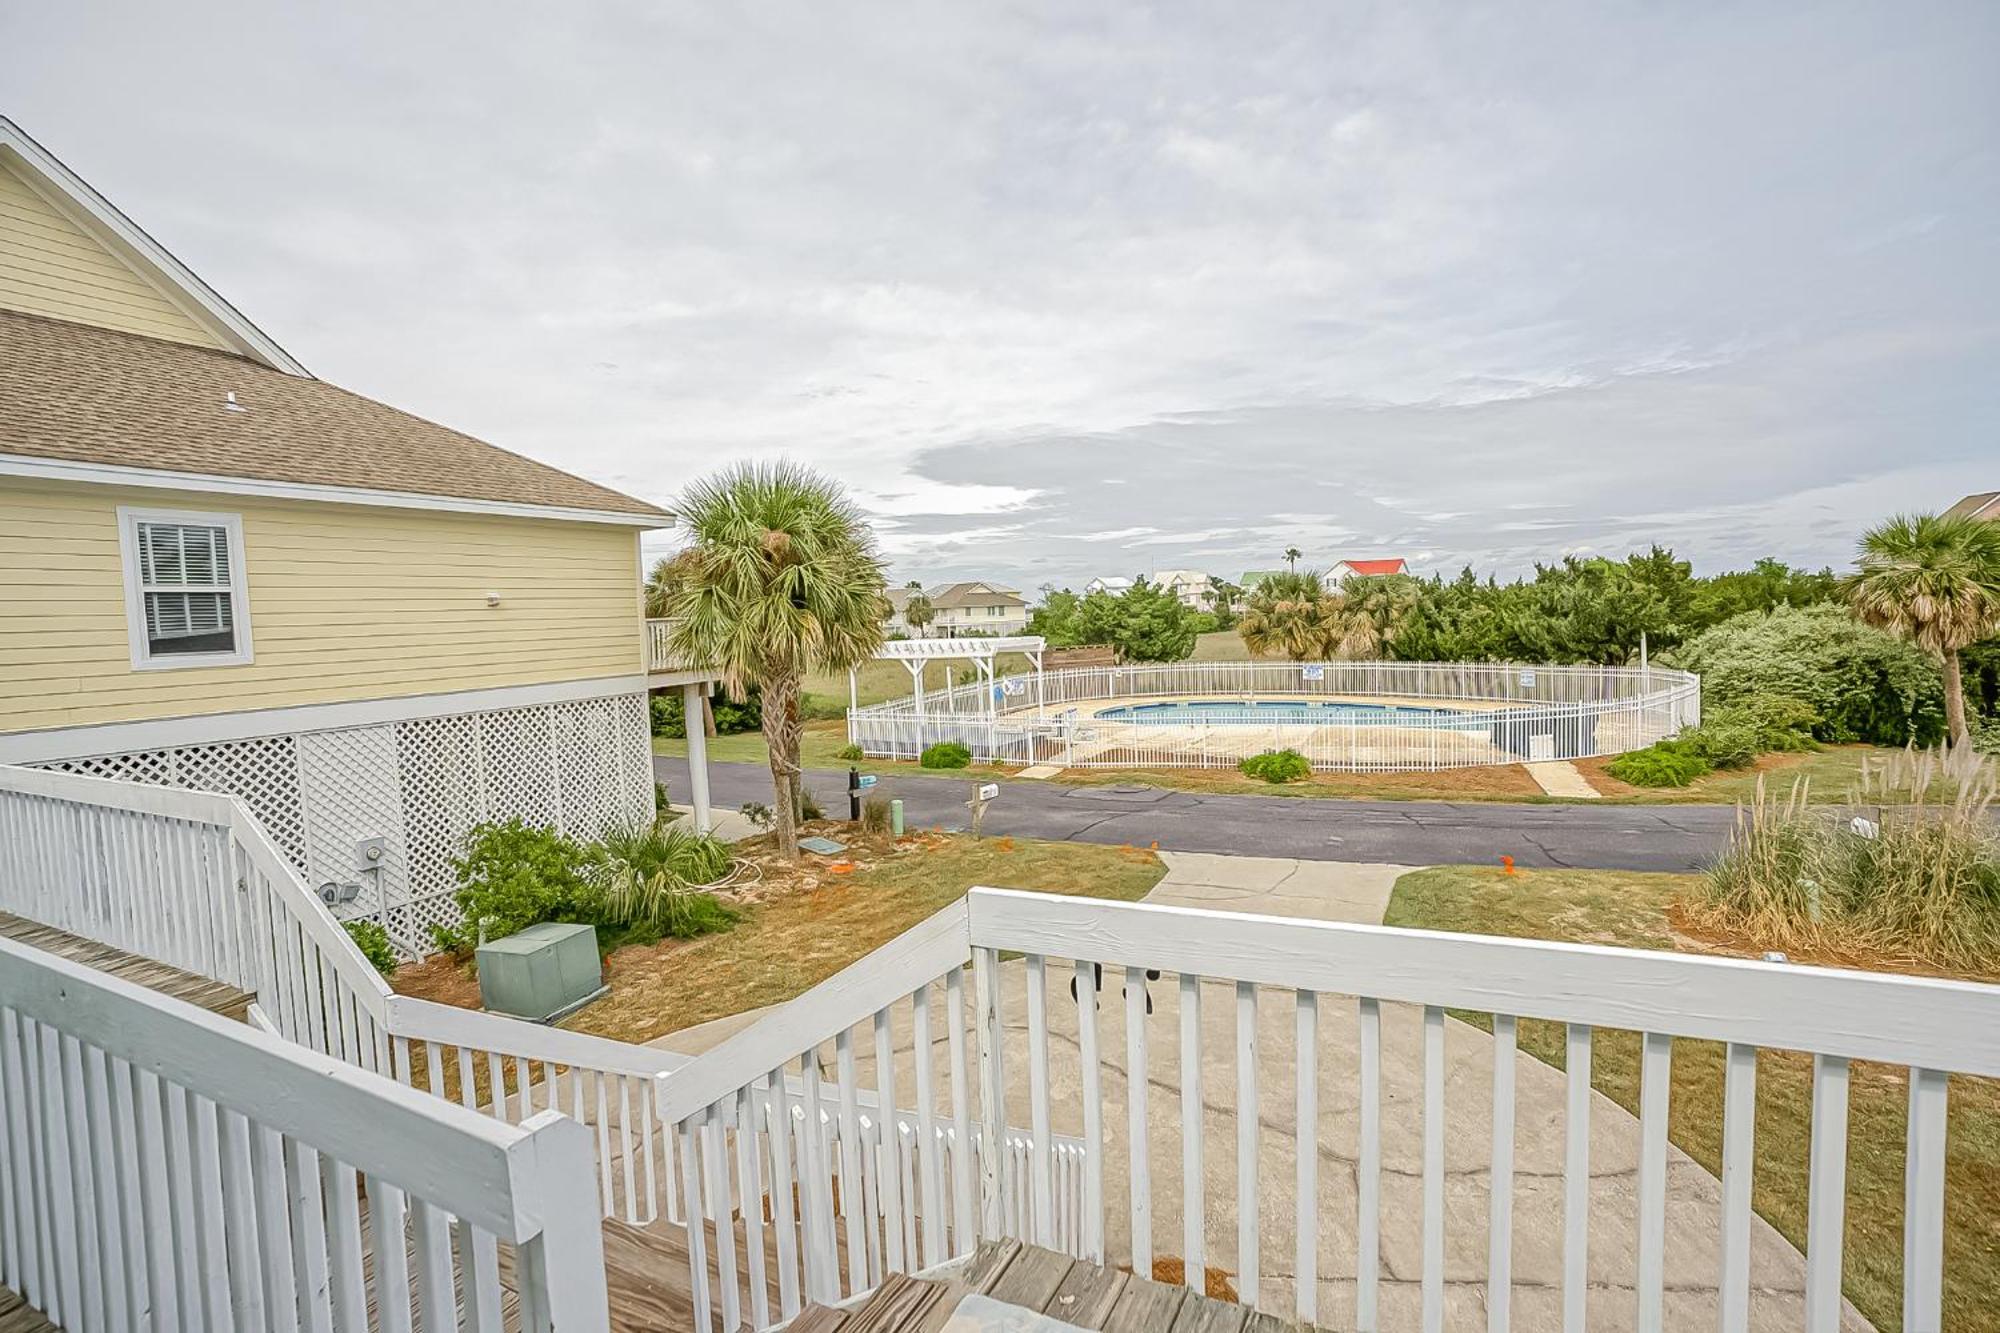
409 791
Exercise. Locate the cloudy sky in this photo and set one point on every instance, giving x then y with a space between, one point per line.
1074 289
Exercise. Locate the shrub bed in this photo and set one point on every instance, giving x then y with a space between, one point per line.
1276 766
945 754
1665 764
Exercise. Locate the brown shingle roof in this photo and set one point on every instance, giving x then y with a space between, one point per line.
90 395
1984 505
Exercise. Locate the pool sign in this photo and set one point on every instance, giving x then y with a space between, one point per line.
1527 680
1013 686
1316 671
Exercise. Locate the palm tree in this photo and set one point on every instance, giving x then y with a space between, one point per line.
1369 610
1291 615
1936 581
917 608
1292 554
782 579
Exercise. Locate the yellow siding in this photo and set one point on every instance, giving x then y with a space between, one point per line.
50 266
346 602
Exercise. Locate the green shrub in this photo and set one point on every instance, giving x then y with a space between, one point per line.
1863 684
945 754
1728 741
1781 722
651 876
512 875
660 802
1665 764
1276 766
875 814
850 753
373 941
757 813
668 714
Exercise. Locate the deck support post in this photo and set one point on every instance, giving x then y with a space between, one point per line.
697 739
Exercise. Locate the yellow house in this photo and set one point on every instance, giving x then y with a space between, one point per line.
218 571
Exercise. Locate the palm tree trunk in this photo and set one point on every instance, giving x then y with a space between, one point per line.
1954 699
781 738
707 715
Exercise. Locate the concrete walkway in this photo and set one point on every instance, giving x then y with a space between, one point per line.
1559 777
1350 892
1278 886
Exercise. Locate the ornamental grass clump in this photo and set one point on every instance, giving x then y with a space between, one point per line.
1907 879
652 877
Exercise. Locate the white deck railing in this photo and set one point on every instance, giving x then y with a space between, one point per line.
660 654
191 879
899 998
164 1168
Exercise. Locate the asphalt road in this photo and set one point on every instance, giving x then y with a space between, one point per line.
1610 837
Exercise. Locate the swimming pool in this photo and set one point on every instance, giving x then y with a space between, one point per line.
1276 712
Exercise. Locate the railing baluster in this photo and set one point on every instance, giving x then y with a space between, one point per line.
890 1184
1247 1257
931 1220
1090 1230
1305 1143
1739 1131
1655 1080
1576 1176
962 1234
687 1135
1923 1203
994 1171
816 1202
716 1162
387 1212
1500 1201
340 1184
308 1213
1192 1208
1040 1180
1826 1197
750 1202
853 1191
1138 1088
1433 1294
778 1107
1368 1171
624 1145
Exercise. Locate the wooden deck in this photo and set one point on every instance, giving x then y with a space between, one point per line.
1056 1285
17 1316
214 996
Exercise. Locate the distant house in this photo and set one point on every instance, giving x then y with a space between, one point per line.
1189 585
1115 585
1252 577
960 609
1368 568
1985 505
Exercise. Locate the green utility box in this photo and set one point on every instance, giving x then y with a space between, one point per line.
542 973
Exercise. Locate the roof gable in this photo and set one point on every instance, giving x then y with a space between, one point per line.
75 256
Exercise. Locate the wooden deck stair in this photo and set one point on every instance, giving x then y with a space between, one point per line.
214 996
1031 1278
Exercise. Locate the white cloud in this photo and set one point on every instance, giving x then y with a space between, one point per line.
1023 278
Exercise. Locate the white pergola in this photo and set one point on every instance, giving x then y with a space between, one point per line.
916 654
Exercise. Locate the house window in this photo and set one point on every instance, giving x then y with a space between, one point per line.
187 602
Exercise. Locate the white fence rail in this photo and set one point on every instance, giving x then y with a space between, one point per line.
164 1168
1064 1066
1475 713
191 879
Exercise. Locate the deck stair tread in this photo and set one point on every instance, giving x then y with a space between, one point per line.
1084 1294
215 996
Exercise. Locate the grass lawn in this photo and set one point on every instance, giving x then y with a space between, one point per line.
1833 771
788 944
879 681
1630 909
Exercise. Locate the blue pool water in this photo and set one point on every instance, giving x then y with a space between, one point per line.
1274 712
